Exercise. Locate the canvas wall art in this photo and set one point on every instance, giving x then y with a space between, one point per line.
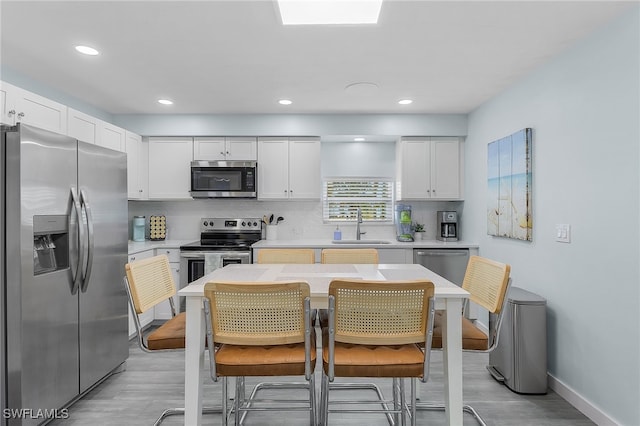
509 174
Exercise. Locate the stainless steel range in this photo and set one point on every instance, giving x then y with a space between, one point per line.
223 241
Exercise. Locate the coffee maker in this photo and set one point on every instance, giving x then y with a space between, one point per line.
447 228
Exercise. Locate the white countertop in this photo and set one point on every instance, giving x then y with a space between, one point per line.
138 246
324 243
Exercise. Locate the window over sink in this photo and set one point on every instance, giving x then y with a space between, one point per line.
342 196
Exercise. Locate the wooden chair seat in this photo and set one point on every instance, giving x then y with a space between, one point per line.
276 360
472 337
353 360
170 335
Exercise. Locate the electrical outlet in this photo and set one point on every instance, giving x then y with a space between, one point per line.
563 233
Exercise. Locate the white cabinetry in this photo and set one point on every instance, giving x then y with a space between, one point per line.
137 184
82 126
289 168
219 148
21 106
429 169
163 309
146 317
170 168
112 137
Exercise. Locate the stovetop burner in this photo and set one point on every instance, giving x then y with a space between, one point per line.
226 234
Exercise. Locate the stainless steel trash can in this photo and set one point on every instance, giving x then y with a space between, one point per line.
520 360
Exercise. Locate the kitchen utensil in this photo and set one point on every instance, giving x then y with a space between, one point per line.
280 219
271 219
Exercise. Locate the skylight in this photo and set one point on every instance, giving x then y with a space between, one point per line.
329 12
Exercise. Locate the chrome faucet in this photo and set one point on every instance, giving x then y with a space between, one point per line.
358 222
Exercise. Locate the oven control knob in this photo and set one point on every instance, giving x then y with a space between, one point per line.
206 223
244 224
255 223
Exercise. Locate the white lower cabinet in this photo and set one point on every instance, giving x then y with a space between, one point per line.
146 317
163 310
393 255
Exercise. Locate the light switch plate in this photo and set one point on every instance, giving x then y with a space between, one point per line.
563 233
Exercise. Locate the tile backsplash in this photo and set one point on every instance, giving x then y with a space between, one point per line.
302 219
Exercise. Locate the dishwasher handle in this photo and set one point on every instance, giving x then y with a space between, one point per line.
442 252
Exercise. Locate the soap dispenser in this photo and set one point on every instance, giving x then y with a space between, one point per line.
337 234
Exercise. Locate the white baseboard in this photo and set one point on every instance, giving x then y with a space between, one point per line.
581 404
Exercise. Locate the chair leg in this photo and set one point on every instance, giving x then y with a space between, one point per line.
180 411
440 407
225 415
312 401
324 400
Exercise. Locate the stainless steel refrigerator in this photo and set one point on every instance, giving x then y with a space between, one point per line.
64 246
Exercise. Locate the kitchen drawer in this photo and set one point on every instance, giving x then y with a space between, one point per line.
172 253
141 255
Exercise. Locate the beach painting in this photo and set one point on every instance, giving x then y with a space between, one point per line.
509 179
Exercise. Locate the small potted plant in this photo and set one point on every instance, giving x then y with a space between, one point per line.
418 230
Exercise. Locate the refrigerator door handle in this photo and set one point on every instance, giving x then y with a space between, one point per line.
89 253
77 275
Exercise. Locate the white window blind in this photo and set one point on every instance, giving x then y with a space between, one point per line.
343 196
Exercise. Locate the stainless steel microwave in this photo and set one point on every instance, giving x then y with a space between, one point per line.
223 179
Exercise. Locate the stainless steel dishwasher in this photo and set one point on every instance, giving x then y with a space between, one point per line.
448 263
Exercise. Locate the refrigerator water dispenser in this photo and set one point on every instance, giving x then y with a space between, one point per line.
50 243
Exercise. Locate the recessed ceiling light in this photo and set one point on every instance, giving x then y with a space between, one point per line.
285 102
358 139
405 102
86 50
165 102
296 12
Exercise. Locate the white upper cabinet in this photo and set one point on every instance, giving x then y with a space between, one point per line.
220 148
429 168
289 168
170 168
112 137
135 180
82 126
21 106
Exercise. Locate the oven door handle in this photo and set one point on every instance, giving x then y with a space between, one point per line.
192 255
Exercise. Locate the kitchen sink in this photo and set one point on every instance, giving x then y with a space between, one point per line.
361 242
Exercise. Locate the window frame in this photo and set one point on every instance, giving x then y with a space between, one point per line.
366 202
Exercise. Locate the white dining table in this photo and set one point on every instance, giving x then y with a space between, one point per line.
448 296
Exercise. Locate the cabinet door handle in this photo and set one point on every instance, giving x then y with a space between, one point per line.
221 152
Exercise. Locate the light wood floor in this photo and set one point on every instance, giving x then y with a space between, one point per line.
153 382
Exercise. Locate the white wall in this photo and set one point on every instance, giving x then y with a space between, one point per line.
584 111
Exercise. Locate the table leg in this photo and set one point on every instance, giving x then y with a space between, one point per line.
452 359
194 361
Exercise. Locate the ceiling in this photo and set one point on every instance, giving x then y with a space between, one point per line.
214 57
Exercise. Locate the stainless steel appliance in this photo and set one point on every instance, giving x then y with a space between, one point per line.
448 263
64 309
223 241
520 360
223 179
447 226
